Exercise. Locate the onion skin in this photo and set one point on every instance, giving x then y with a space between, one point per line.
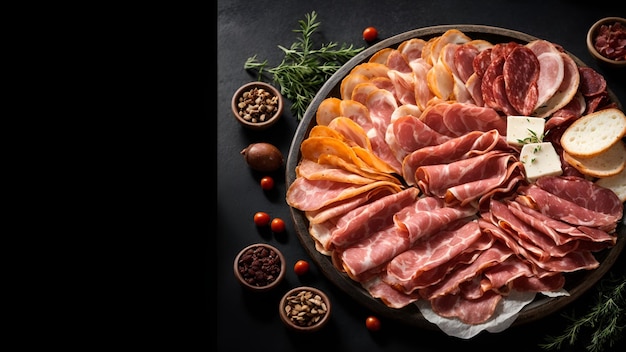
263 157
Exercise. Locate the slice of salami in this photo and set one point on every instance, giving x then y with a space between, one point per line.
481 62
499 95
521 73
489 77
591 82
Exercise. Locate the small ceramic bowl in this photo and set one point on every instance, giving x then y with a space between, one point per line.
595 48
308 300
259 267
257 105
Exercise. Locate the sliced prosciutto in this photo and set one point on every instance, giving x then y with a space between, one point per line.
465 181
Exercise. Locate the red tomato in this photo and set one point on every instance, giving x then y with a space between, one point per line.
301 267
370 34
372 323
278 225
267 183
261 218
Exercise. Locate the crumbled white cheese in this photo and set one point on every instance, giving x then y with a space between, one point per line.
540 159
523 129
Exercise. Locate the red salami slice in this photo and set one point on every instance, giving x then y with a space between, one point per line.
591 82
521 73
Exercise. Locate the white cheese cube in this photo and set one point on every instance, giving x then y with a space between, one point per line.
540 159
518 129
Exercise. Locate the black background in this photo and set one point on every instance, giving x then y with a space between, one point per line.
249 322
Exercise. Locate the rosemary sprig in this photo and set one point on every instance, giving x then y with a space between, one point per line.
607 319
304 69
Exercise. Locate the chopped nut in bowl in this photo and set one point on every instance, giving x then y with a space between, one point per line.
305 309
257 105
606 41
259 267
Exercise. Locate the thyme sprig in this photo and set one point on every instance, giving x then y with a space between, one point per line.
304 69
607 319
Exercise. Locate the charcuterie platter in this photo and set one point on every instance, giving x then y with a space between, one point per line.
576 282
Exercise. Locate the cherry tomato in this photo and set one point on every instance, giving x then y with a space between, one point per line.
278 225
267 183
261 218
372 323
301 267
370 34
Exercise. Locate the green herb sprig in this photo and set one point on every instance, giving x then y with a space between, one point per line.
533 138
606 320
304 69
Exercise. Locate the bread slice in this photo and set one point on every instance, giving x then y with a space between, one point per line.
594 133
608 163
616 183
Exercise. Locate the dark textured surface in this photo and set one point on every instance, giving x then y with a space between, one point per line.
248 321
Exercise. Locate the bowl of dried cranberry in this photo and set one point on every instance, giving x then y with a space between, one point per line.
259 267
606 41
257 105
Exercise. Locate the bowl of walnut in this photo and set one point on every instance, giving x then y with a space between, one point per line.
257 105
606 41
305 309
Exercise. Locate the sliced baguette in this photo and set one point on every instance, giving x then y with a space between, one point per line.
616 183
608 163
594 133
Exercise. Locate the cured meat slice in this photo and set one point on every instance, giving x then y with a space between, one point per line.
566 91
422 92
438 249
500 97
568 211
591 82
334 210
411 134
482 62
457 119
387 294
551 69
585 193
381 56
362 90
349 131
464 60
469 311
465 181
451 150
551 72
358 223
568 113
521 74
412 48
560 232
494 69
328 109
312 170
492 256
366 258
309 195
423 223
474 88
546 247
